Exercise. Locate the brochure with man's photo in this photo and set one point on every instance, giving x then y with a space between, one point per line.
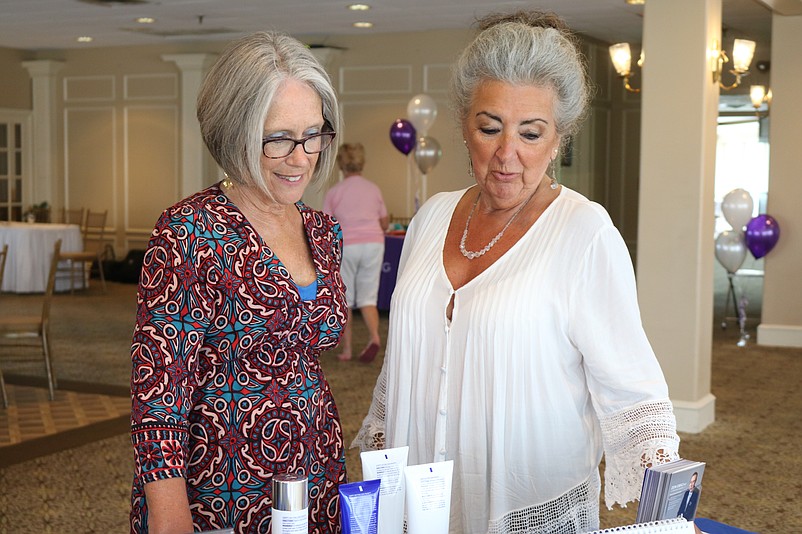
671 490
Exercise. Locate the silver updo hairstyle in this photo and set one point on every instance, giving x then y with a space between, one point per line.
237 93
526 48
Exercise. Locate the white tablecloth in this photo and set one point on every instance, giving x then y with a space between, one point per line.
30 249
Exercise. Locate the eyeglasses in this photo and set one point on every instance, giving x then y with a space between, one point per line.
281 147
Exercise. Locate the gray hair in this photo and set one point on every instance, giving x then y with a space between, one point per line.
526 48
236 94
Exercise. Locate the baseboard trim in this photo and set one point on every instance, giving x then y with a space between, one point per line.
693 417
779 335
61 441
70 385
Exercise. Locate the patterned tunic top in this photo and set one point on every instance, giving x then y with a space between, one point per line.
227 388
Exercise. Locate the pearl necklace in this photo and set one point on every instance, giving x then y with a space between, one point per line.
472 255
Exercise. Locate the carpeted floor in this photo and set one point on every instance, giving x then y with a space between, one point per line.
33 425
752 450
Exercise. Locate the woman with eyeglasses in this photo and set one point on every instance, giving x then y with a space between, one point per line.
239 294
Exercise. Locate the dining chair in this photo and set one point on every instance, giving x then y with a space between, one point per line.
34 330
3 389
73 216
80 263
3 256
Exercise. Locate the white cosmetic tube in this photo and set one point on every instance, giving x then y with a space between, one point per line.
388 466
428 497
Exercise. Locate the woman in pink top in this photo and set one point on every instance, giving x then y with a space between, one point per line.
358 205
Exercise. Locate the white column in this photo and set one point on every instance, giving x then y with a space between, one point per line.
675 229
192 147
315 193
44 186
781 314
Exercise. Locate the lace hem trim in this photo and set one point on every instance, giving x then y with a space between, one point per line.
575 511
634 439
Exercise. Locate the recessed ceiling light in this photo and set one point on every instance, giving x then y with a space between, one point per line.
146 20
84 39
636 2
358 7
363 24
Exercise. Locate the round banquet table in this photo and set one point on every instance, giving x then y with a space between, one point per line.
30 249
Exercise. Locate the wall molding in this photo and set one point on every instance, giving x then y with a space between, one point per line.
149 90
693 417
375 80
779 335
103 87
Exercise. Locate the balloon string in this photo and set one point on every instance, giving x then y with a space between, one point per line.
410 193
417 200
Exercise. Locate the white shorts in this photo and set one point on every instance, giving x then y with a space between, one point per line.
361 269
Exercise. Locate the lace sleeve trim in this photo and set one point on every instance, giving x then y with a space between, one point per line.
371 435
634 439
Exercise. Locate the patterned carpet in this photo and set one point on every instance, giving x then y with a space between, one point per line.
74 474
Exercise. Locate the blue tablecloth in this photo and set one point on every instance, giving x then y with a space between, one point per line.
714 527
392 254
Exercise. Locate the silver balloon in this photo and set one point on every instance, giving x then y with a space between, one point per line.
421 112
731 249
737 208
427 153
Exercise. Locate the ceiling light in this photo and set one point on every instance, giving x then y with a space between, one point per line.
363 24
358 7
146 20
636 2
84 39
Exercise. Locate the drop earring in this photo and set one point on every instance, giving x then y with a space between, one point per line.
470 162
554 183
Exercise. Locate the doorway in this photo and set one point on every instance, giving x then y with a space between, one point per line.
742 162
15 163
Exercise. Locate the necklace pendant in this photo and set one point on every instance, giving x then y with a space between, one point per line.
472 255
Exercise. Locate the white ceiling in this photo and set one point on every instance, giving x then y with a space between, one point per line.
55 24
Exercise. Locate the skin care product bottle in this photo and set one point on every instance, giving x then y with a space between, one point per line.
290 504
428 497
359 507
388 466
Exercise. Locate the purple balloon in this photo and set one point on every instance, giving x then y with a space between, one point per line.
402 134
762 233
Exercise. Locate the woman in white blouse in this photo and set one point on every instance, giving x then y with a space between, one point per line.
515 346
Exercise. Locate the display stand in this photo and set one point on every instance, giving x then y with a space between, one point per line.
738 304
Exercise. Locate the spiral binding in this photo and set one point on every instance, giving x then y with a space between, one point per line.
677 524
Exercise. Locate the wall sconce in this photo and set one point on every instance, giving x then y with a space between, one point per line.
742 52
759 95
621 56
